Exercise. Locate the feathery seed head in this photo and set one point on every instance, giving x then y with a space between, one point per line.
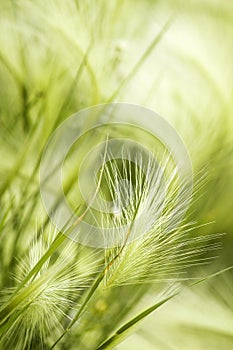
156 246
49 296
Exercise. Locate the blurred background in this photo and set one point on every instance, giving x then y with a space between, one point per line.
174 57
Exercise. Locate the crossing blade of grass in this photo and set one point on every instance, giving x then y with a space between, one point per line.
123 331
84 64
10 68
142 59
99 278
3 219
64 38
15 170
212 275
89 296
59 239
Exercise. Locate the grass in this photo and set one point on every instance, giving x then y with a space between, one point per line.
57 58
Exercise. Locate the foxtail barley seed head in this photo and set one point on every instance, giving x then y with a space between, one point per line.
49 297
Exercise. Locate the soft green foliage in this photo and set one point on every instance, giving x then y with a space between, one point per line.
200 318
57 57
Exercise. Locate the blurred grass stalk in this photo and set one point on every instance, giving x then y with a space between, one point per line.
59 57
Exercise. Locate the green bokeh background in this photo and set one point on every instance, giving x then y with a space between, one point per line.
58 57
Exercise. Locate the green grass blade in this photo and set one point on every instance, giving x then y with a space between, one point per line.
123 331
142 59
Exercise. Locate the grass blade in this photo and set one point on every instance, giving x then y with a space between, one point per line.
123 331
142 59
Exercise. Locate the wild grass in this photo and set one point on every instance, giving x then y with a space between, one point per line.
59 57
